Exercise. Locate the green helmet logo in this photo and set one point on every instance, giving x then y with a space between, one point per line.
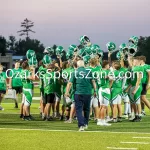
134 40
132 50
69 55
47 60
33 62
49 50
59 51
95 48
30 53
73 48
111 46
84 40
118 55
86 59
123 48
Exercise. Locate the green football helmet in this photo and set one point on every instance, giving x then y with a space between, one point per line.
49 50
69 55
84 40
81 52
47 60
86 59
123 48
95 48
134 40
100 52
30 53
118 55
33 62
88 50
73 48
59 51
132 50
111 46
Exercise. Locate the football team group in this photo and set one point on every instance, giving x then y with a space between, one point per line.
88 85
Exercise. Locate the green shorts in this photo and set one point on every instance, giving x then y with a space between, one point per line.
136 97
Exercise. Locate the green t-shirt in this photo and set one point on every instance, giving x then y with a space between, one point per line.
27 83
49 83
41 73
3 81
146 69
15 76
135 70
82 80
103 80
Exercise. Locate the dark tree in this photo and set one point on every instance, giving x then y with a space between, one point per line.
26 25
3 45
11 43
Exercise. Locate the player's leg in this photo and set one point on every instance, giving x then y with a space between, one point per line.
95 107
2 93
119 107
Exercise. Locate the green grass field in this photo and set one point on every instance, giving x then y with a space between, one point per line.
16 134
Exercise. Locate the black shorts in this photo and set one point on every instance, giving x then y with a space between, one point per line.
49 98
42 95
2 91
144 91
18 89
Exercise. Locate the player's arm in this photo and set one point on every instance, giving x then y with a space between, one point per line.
109 58
139 77
69 85
122 60
10 83
94 86
127 89
148 83
32 76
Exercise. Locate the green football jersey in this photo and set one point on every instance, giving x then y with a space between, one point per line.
118 78
103 80
15 76
27 83
66 73
135 70
146 69
41 73
49 83
3 81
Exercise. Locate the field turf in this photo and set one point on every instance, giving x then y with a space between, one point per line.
16 134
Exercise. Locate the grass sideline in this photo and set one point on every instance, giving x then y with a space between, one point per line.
42 135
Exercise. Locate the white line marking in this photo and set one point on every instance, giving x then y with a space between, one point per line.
134 143
141 137
121 148
71 131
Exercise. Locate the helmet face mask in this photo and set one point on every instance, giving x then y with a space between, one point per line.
132 50
33 62
49 50
84 40
133 40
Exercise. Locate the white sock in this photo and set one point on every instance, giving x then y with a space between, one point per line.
126 108
107 117
99 120
129 108
132 114
103 120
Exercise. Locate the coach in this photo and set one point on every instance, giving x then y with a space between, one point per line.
82 81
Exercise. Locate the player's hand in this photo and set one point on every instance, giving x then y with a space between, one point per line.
67 95
109 54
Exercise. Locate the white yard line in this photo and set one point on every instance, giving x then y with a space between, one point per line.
73 131
134 142
121 148
141 137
